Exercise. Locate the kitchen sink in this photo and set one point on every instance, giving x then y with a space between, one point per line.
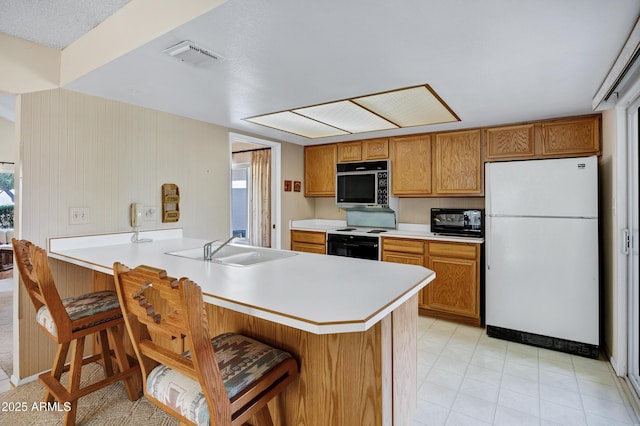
235 255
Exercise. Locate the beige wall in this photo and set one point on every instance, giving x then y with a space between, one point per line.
294 204
410 210
7 143
82 151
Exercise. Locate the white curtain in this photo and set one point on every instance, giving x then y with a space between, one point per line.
260 234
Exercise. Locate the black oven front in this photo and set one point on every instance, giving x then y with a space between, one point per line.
358 246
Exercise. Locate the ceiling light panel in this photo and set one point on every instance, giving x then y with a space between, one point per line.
347 116
297 124
415 106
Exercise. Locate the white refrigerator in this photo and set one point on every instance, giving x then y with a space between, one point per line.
542 279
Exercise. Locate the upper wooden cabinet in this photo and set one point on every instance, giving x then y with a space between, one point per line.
349 151
511 142
411 167
375 149
320 170
579 136
457 163
565 137
372 149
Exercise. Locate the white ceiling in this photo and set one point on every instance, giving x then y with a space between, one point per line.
491 61
54 23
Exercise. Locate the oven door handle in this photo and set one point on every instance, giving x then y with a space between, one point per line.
360 244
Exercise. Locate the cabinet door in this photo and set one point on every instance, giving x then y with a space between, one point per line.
375 149
579 136
458 163
349 151
411 166
320 170
511 143
456 288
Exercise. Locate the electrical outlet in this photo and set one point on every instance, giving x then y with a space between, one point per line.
78 215
149 213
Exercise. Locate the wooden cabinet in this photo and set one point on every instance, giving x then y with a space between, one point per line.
401 250
349 151
455 292
320 170
309 241
375 149
457 163
565 137
411 166
372 149
510 142
404 250
579 136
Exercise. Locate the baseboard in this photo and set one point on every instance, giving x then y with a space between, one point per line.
553 343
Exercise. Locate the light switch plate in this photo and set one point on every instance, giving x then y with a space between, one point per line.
78 215
149 213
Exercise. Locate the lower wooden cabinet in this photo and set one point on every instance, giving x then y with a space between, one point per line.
455 294
309 241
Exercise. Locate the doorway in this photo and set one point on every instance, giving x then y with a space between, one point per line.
255 192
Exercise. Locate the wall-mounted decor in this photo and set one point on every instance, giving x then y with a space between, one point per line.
297 186
170 202
287 186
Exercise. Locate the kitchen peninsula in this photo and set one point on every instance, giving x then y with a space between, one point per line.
350 323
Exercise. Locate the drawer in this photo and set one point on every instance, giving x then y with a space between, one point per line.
308 237
403 245
308 248
457 250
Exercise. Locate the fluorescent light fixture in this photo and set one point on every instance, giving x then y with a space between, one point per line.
347 116
409 107
416 106
297 124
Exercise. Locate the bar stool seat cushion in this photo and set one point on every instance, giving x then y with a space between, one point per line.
241 361
79 307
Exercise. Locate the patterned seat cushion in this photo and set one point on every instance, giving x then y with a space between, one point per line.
80 307
241 361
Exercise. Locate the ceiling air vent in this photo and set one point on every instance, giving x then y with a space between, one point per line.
188 51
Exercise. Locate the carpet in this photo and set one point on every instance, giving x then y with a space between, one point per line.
6 332
108 406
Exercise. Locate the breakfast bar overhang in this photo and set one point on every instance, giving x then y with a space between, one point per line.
350 323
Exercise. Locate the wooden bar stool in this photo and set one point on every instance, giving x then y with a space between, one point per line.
68 322
221 381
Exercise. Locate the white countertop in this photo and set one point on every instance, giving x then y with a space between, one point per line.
403 230
316 293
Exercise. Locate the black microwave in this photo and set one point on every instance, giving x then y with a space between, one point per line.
458 222
364 184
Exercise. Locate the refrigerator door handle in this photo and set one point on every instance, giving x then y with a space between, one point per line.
626 241
488 241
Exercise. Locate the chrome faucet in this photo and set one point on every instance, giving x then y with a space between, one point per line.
208 254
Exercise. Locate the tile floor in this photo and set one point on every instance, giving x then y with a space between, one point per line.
468 378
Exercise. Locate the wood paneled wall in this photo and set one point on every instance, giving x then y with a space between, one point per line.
82 151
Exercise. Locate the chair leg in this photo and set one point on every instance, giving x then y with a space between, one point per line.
106 354
264 417
123 362
57 368
74 380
